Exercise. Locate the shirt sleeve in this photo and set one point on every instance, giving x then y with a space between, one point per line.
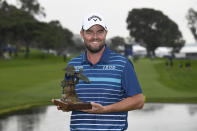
129 80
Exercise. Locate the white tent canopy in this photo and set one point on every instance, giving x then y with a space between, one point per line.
189 48
163 51
139 50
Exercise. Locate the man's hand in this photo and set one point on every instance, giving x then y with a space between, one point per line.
59 107
130 103
96 108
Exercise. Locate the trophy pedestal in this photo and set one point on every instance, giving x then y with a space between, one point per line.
69 106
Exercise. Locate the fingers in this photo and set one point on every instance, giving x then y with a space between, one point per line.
52 100
89 110
59 107
96 108
96 105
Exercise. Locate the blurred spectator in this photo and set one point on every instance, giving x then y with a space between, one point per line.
188 65
166 64
181 66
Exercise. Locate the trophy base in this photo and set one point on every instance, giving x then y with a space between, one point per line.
69 106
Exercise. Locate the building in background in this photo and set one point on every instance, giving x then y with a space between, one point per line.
189 51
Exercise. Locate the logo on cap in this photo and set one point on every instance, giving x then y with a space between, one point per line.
95 18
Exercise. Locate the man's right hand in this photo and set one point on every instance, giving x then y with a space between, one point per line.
59 107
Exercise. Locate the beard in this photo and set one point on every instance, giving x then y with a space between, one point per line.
94 50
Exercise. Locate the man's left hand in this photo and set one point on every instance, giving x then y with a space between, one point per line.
96 108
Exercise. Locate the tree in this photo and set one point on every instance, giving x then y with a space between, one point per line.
78 44
116 43
32 7
192 22
3 35
53 36
151 28
17 26
13 25
63 36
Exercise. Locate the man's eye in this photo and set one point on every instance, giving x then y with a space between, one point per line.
88 32
100 31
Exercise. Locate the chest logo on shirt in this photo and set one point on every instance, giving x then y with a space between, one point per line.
108 67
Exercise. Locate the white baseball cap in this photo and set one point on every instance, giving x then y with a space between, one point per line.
93 19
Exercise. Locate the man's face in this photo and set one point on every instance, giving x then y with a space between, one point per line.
94 38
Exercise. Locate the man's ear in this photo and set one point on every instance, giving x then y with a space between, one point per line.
106 32
81 33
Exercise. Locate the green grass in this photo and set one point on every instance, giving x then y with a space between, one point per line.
33 82
29 82
166 85
184 77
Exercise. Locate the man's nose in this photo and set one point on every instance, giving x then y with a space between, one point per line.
95 35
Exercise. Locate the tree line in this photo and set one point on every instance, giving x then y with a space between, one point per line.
148 27
19 27
151 29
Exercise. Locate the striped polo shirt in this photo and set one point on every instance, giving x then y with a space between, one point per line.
111 80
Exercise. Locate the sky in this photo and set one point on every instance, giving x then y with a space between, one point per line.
70 13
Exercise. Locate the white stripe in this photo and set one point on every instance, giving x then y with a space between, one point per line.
99 98
100 94
95 120
99 84
98 115
97 89
117 56
102 70
102 102
102 73
118 60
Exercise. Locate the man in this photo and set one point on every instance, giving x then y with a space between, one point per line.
113 89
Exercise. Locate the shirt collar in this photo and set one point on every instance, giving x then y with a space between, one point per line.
104 58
